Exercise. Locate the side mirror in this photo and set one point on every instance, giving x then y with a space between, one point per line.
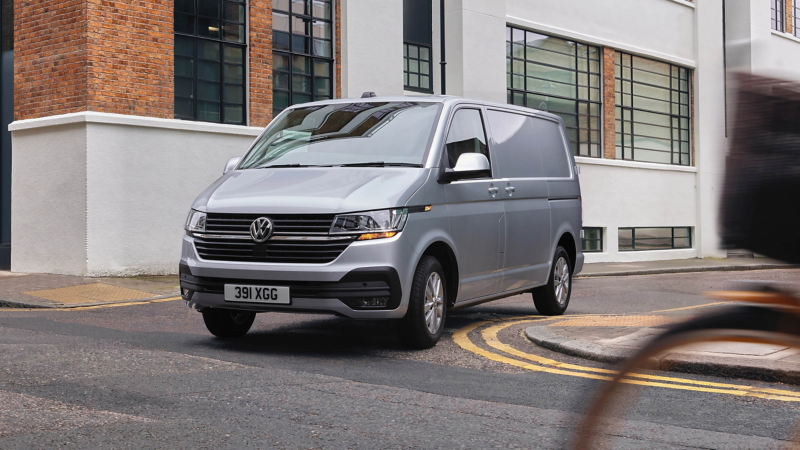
231 164
469 166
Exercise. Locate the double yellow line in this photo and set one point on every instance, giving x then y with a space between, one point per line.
547 365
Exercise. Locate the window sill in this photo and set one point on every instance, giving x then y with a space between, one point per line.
785 35
634 164
685 3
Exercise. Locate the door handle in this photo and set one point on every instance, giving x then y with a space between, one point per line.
511 189
493 191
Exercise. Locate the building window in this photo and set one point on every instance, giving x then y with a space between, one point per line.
559 76
592 239
417 67
777 15
417 45
210 56
302 57
640 239
652 111
796 7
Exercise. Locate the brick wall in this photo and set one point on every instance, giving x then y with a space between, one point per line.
50 52
609 101
789 8
130 50
260 72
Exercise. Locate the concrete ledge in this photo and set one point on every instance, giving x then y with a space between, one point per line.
749 368
725 268
16 304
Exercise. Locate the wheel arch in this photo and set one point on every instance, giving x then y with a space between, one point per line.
567 240
447 258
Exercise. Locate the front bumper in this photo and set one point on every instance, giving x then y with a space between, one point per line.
380 268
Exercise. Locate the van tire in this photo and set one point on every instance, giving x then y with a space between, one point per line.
413 328
228 323
546 298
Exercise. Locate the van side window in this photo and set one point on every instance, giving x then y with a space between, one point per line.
514 145
551 148
466 135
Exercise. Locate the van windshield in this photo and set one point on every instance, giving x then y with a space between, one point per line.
358 134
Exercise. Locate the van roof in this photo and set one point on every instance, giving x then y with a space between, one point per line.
445 99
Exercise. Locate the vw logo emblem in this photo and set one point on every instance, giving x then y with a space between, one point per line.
261 229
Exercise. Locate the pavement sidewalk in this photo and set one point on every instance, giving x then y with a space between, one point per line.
64 291
611 339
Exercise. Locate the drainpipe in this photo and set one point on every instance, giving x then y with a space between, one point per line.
443 62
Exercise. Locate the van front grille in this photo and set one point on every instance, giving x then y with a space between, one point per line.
297 224
290 251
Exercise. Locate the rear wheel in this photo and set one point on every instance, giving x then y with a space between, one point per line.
423 323
228 323
552 299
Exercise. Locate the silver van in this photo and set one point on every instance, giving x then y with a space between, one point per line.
387 208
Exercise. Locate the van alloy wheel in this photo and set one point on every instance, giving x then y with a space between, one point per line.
434 303
561 280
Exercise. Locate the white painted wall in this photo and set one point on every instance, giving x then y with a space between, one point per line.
372 47
621 194
48 205
120 185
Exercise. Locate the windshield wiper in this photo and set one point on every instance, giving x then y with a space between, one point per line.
283 166
379 164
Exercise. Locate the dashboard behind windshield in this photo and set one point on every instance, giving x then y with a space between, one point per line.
347 134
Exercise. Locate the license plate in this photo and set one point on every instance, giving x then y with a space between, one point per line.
257 294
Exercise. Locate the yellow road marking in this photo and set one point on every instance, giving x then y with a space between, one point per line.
692 307
462 339
84 308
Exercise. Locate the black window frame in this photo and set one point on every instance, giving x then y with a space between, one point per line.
583 121
290 53
796 22
778 15
673 247
624 116
223 64
407 67
598 240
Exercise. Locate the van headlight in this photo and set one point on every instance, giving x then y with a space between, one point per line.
196 222
370 225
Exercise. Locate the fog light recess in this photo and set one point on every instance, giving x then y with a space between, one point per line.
374 302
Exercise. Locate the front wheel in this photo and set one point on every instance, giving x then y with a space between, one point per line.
423 323
228 323
552 299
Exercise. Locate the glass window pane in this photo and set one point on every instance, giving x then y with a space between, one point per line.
280 22
322 68
234 74
233 33
184 108
235 13
208 111
301 26
425 82
186 6
322 86
321 9
301 83
184 23
322 48
280 100
184 87
280 62
299 6
208 71
234 114
321 29
280 40
301 44
282 5
207 91
208 50
184 67
184 46
413 51
208 8
413 80
234 94
281 80
301 64
234 55
208 27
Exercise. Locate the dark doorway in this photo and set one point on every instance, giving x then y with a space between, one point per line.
6 117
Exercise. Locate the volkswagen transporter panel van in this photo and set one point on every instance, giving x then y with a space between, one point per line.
400 208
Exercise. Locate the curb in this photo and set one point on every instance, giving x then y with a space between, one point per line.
689 270
14 304
753 369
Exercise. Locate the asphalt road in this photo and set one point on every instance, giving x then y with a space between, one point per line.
150 376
